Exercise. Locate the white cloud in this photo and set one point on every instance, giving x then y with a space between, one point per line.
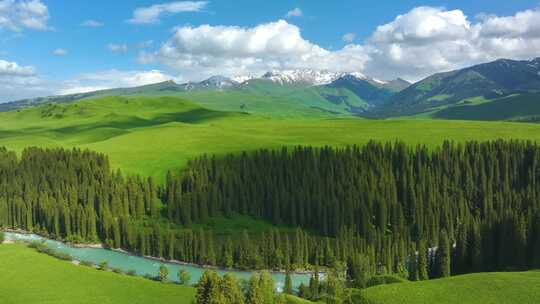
416 44
60 52
92 23
8 68
18 15
427 40
18 81
117 48
151 14
199 52
349 37
21 82
296 12
110 79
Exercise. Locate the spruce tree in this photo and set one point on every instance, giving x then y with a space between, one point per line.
287 287
443 256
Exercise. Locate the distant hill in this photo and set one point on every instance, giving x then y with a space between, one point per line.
484 82
288 93
477 288
500 90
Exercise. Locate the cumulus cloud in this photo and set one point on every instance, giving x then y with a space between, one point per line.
420 42
18 15
8 68
230 50
117 47
151 14
18 81
427 40
349 37
60 52
296 12
110 79
92 23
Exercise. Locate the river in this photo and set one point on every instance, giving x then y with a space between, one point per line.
142 266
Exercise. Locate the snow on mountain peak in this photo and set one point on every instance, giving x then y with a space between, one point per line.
358 75
304 76
219 82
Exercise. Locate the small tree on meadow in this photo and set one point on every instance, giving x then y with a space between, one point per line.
103 266
184 277
163 273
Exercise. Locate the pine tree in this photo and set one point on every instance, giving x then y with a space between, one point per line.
231 290
254 293
422 261
314 284
443 256
287 288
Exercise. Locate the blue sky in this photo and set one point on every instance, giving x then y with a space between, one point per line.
53 46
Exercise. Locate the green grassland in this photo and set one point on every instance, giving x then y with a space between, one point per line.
149 136
30 277
479 288
513 107
259 96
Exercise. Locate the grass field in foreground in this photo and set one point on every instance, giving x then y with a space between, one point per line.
152 135
479 288
30 277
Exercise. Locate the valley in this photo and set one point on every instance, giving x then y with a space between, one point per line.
149 136
206 152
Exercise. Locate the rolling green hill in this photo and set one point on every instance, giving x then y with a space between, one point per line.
275 95
62 282
520 107
30 277
262 97
491 80
152 135
479 288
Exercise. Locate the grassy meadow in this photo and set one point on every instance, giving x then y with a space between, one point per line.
30 277
478 288
150 135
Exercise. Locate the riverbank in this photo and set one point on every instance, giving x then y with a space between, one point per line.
72 244
157 259
144 265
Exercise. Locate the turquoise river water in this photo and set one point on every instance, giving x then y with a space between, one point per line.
141 265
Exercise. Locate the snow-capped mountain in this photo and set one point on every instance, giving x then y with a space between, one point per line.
218 82
313 77
299 77
302 76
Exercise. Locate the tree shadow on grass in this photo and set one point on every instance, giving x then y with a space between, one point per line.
194 116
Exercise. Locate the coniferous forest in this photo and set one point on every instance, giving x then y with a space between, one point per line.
379 209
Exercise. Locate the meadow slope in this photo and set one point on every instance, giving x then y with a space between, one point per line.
30 277
478 288
152 135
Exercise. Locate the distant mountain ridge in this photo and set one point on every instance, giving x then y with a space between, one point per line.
326 91
500 90
487 81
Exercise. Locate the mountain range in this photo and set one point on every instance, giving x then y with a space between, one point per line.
460 94
500 90
299 91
